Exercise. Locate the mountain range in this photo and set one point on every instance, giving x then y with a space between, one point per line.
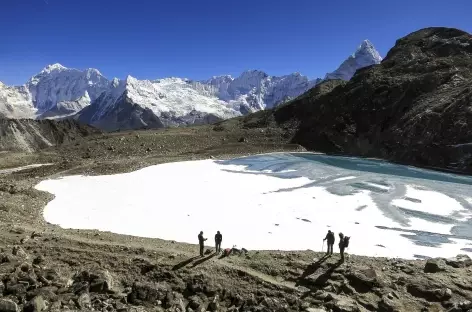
87 96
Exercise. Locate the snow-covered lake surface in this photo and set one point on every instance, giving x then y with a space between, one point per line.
281 201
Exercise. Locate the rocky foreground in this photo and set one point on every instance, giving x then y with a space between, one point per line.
49 272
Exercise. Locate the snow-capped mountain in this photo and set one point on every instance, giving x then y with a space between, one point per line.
61 90
365 55
254 90
134 103
88 96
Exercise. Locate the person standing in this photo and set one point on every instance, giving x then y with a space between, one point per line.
341 246
218 240
201 242
331 239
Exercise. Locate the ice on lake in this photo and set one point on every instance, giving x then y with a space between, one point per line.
280 201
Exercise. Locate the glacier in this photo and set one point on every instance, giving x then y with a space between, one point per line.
279 201
58 92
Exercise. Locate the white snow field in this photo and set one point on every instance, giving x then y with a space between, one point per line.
280 201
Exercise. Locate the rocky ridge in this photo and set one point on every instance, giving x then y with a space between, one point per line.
414 108
28 135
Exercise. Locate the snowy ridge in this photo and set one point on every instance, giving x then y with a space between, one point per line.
61 92
56 84
365 55
16 102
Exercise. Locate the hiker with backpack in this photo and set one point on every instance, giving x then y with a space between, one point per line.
331 239
343 244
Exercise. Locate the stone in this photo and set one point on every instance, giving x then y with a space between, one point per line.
195 302
38 260
271 303
465 305
8 306
443 294
48 293
315 310
214 304
460 261
55 306
5 258
15 288
84 301
434 266
19 252
36 304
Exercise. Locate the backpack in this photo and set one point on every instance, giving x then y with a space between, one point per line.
346 241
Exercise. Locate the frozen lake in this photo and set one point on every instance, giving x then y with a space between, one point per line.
281 201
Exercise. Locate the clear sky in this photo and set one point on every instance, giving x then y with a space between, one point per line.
197 39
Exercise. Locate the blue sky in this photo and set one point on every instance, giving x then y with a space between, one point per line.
197 39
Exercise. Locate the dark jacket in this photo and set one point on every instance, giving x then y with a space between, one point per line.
218 238
330 238
200 239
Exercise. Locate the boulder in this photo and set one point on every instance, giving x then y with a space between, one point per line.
427 292
195 302
460 261
8 306
101 282
343 304
363 279
434 266
36 304
148 292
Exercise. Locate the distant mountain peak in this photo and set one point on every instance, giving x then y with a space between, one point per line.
365 55
367 48
53 67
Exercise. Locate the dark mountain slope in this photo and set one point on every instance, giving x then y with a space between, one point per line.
415 107
30 135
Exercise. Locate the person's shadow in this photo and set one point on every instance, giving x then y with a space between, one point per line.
323 278
183 263
312 268
198 262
